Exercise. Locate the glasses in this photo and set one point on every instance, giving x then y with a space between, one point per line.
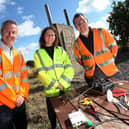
79 22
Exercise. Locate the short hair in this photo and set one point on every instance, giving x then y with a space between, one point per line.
7 22
41 39
77 15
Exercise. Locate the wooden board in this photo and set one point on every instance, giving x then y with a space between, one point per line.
108 113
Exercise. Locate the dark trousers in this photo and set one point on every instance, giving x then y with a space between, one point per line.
51 113
99 74
13 118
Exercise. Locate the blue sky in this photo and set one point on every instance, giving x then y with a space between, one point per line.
31 17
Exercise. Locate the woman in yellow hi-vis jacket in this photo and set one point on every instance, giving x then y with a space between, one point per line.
54 69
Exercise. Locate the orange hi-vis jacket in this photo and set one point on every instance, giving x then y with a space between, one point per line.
13 78
105 51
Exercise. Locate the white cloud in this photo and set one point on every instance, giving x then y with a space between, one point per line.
25 50
12 3
100 24
20 10
92 5
27 29
76 34
27 17
3 5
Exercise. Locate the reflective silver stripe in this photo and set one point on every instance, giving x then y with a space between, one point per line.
51 67
77 57
112 44
40 69
82 57
86 57
78 47
106 62
101 52
3 86
0 59
50 85
0 72
68 65
41 61
102 38
17 88
13 86
24 80
62 49
114 55
20 57
23 68
66 78
17 74
88 67
8 75
57 66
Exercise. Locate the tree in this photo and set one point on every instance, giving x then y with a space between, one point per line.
119 22
30 63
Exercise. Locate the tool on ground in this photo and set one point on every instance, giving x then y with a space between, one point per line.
118 92
86 101
118 107
117 103
123 101
90 108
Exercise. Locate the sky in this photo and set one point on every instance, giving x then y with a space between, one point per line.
31 18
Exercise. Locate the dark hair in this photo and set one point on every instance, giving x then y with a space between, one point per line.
77 15
7 22
41 39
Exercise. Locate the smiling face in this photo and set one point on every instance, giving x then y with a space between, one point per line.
9 34
81 24
49 37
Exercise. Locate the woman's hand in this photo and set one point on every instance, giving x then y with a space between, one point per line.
60 87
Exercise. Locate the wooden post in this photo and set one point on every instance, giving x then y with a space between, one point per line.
48 14
66 16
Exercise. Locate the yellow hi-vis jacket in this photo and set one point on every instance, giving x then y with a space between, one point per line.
54 72
13 78
105 51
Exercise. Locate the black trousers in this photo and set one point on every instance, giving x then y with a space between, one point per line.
51 113
13 118
99 74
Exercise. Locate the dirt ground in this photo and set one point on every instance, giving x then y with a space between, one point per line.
36 106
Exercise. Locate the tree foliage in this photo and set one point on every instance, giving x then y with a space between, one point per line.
30 63
119 22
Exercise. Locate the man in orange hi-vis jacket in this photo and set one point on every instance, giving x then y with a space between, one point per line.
95 49
13 80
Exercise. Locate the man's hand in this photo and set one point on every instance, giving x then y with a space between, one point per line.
19 100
